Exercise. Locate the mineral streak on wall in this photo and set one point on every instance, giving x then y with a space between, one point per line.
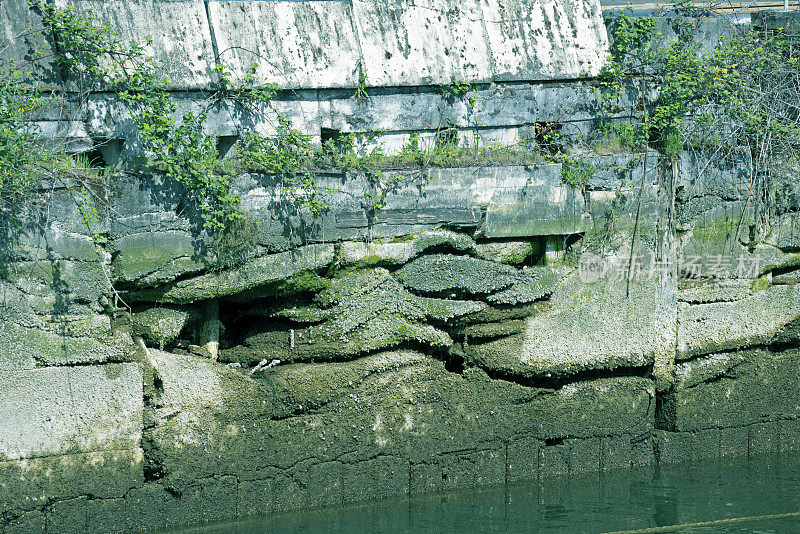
451 339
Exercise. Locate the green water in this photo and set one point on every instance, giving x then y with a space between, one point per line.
600 503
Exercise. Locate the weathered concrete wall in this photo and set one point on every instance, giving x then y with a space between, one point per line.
398 334
313 50
486 325
319 44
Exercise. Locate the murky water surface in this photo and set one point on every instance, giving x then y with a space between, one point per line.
623 501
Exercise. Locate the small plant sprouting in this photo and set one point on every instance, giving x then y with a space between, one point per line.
361 89
576 172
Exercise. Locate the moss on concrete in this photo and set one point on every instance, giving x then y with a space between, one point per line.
356 255
510 252
361 312
265 271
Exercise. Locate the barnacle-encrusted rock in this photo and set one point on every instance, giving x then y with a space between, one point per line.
361 313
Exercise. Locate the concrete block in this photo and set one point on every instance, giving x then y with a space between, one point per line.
764 438
543 40
734 442
289 493
586 455
150 258
71 135
713 327
534 204
672 447
47 412
706 444
763 387
106 515
790 436
523 459
785 231
33 483
26 346
220 497
151 506
458 471
425 478
615 452
554 461
382 477
642 452
294 44
179 30
435 42
258 272
67 517
325 484
489 466
255 497
29 523
22 32
588 326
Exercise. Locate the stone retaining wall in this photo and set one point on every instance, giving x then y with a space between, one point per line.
486 325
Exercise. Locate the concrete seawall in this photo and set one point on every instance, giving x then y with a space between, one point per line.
487 324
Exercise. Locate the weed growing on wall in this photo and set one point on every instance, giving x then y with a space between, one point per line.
361 88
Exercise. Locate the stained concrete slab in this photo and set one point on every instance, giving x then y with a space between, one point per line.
68 410
294 44
179 30
590 326
712 327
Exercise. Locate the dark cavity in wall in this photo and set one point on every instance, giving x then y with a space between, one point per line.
547 135
333 139
445 138
105 153
224 144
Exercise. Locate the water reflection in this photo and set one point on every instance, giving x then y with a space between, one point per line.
610 502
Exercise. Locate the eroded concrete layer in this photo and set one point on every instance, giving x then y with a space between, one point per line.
294 44
68 432
221 444
50 263
715 444
22 33
509 109
30 486
754 320
31 341
400 43
154 244
598 325
733 389
310 45
314 434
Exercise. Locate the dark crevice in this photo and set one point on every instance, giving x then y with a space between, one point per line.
551 442
719 378
153 459
452 363
773 345
557 382
786 270
665 412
